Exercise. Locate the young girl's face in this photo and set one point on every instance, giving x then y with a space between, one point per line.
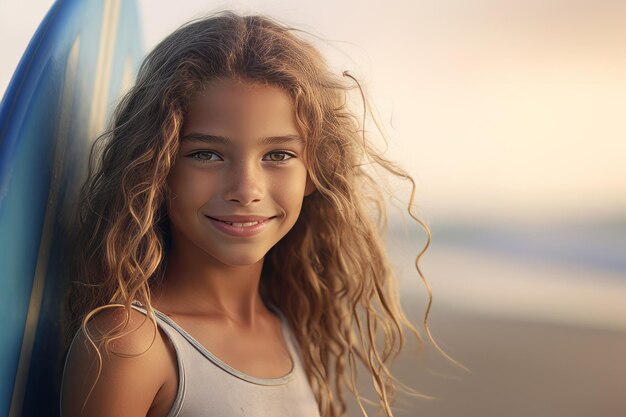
239 180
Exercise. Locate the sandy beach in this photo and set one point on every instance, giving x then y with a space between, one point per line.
518 368
541 340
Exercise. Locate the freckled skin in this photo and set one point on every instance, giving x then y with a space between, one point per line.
237 177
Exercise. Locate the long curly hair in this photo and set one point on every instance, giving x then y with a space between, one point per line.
329 276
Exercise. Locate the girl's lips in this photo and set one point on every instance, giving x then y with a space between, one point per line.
240 226
240 218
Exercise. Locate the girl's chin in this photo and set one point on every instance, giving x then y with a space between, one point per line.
240 260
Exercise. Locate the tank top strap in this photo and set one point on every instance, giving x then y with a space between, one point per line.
176 343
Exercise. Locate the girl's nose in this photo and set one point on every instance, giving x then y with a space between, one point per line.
244 184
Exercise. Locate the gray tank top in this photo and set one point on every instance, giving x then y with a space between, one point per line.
208 387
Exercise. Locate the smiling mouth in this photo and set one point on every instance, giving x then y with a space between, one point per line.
243 223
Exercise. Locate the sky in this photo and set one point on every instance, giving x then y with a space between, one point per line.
500 109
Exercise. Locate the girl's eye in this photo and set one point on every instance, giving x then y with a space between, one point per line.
279 156
205 156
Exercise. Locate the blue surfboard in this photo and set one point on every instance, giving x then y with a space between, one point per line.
83 56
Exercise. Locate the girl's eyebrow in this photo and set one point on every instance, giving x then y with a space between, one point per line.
212 139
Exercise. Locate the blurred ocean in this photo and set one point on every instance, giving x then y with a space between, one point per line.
571 273
597 244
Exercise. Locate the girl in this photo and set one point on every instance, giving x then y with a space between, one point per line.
227 259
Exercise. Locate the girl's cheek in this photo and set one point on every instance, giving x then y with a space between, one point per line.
291 183
193 184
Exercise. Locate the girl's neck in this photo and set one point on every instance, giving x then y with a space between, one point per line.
196 285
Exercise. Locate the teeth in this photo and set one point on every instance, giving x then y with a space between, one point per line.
247 224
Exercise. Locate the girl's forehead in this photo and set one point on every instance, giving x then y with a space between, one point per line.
235 92
235 108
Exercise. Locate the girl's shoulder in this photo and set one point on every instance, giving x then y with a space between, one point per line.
134 368
141 335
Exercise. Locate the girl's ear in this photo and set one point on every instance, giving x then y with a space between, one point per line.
309 187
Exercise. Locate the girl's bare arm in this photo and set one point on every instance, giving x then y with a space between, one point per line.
127 386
